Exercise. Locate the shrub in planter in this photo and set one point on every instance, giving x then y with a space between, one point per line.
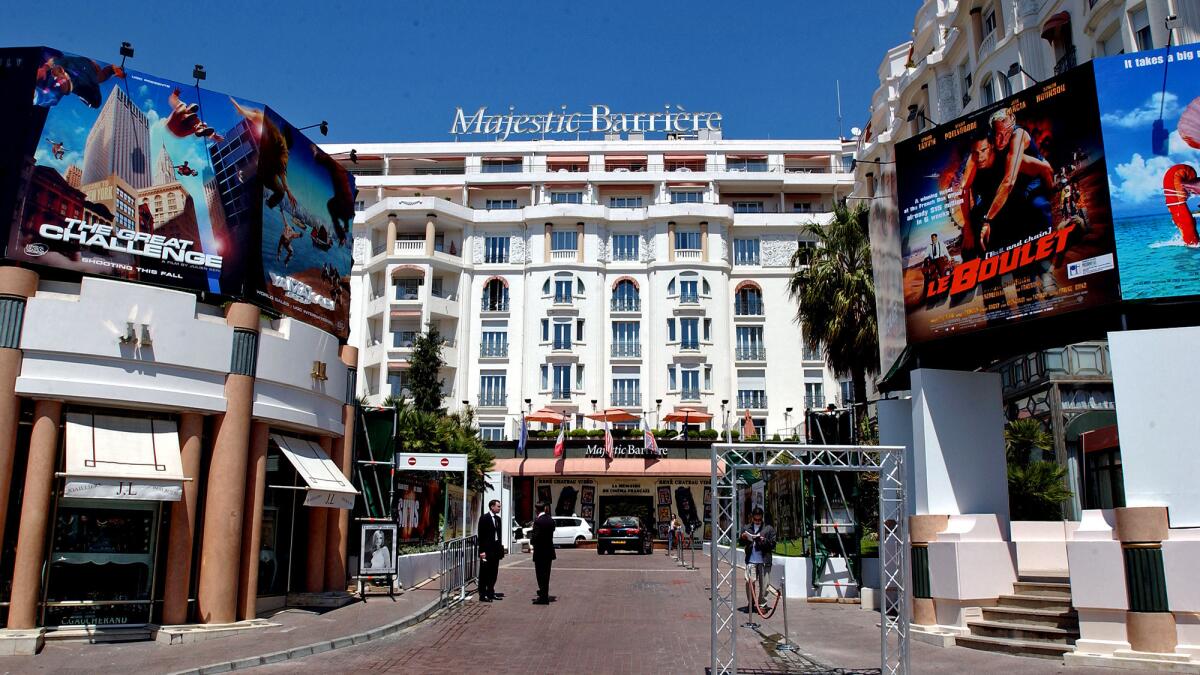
665 433
578 433
595 433
735 434
710 434
775 438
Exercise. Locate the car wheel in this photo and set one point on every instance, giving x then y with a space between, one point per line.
599 550
577 540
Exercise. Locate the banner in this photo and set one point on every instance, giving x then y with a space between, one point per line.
1150 114
113 172
1004 213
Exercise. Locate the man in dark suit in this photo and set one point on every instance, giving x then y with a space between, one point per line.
491 550
542 541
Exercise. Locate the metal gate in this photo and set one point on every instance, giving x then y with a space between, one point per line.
887 461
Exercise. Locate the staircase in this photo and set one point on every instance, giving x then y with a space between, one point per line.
1036 620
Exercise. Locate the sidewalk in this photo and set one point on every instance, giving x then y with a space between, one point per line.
301 632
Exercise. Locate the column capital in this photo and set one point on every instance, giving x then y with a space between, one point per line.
349 356
18 281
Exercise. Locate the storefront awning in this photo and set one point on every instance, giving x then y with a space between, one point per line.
327 486
600 466
111 457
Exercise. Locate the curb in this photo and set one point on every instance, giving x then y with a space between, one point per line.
316 647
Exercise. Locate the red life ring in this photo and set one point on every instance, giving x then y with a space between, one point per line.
1176 194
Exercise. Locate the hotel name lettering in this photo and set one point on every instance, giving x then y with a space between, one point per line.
600 120
623 450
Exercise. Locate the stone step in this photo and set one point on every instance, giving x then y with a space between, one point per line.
1056 589
1023 631
1048 577
1058 618
1034 601
1045 650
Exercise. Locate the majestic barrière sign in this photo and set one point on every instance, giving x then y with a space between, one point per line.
599 120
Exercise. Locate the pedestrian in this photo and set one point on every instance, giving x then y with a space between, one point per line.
542 541
491 551
758 538
671 536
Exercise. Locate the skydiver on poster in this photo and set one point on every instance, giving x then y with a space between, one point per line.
1017 196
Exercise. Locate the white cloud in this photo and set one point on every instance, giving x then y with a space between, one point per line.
1146 113
1140 179
46 158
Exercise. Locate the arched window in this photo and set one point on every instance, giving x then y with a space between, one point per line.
689 287
706 287
578 286
1005 85
748 300
495 296
546 287
671 286
625 296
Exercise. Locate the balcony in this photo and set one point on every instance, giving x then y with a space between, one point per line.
626 399
811 355
569 255
493 350
1066 63
496 258
560 395
403 339
689 394
564 299
753 400
814 402
748 308
493 305
687 255
752 353
561 346
626 350
409 247
987 45
626 304
689 345
492 400
743 259
689 298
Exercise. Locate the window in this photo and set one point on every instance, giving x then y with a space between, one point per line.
708 330
752 390
578 286
706 288
626 390
495 249
689 291
491 432
690 391
397 385
708 378
566 197
687 240
687 197
689 330
747 207
499 204
545 377
847 393
495 296
491 389
749 343
671 286
626 338
814 395
670 330
493 343
545 330
671 383
989 22
745 251
579 376
1005 86
739 164
579 330
804 207
562 291
812 354
564 240
1139 23
625 246
625 297
501 166
987 93
748 302
407 289
562 381
624 202
562 335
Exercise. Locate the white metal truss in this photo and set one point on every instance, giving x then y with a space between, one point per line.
887 461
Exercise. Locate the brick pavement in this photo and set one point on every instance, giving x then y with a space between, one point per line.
633 614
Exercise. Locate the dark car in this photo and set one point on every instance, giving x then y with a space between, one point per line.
625 532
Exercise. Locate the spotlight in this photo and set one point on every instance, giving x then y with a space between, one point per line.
126 50
1015 68
198 73
323 126
353 156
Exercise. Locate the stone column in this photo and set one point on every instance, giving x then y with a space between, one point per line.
703 241
391 234
1142 531
256 490
16 283
546 241
221 541
671 241
35 516
579 245
430 232
338 531
314 570
178 579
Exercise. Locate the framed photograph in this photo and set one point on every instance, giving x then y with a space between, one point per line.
588 493
378 550
664 495
586 512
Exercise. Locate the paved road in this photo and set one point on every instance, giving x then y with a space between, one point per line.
631 614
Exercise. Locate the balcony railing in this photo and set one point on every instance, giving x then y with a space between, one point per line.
562 345
689 298
1066 63
689 345
810 355
689 394
409 247
633 349
563 299
626 399
403 293
493 349
755 400
563 256
746 259
748 308
561 395
814 402
494 305
403 339
495 258
626 304
378 249
492 400
752 353
987 45
687 255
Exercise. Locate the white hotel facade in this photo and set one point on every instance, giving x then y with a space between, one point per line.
579 275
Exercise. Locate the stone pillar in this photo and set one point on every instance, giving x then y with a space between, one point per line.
430 232
337 533
35 516
314 570
579 245
20 284
256 490
182 536
921 531
1149 623
671 241
546 241
221 541
391 234
704 241
976 28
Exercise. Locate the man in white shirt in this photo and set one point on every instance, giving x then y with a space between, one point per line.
758 539
937 249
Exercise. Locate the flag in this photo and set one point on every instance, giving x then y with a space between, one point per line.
648 440
524 436
558 444
608 441
748 429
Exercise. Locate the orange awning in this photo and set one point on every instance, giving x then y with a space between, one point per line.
613 415
631 187
567 159
601 466
625 158
677 183
688 416
685 158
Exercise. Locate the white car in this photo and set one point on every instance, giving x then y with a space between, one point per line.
570 530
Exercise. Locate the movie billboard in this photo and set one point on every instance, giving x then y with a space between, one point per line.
1150 114
417 505
1004 213
307 211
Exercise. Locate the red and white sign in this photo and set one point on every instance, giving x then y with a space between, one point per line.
429 461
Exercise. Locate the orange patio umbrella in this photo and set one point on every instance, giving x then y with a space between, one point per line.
687 416
546 416
613 415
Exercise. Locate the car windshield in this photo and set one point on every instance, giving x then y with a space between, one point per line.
621 521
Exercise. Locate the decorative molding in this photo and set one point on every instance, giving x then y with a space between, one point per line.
244 358
362 250
12 316
648 253
518 248
477 242
777 250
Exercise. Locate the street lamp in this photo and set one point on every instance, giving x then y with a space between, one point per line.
914 112
1016 68
323 125
199 74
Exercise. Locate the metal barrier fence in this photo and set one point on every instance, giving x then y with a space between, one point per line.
459 567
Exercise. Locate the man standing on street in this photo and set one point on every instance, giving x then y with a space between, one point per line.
758 539
542 541
491 550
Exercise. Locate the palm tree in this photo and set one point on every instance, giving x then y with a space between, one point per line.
1036 487
835 296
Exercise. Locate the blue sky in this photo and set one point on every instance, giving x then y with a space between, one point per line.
396 71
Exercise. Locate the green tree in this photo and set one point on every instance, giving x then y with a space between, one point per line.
421 431
424 370
834 292
1036 487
